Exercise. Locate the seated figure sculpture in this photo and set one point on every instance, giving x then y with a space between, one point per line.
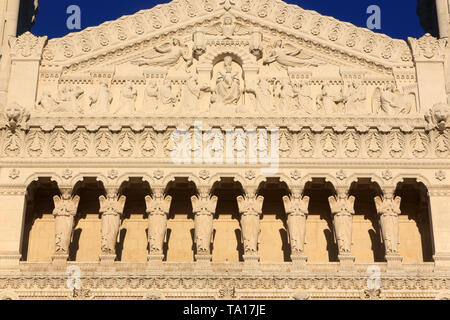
228 86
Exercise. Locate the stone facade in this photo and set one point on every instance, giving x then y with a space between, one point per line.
225 150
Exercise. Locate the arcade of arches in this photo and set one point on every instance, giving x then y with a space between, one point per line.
182 222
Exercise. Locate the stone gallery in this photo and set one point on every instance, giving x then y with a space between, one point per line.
224 149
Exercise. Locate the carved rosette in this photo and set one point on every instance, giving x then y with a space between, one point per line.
250 209
204 208
296 208
342 208
111 209
158 209
388 208
66 207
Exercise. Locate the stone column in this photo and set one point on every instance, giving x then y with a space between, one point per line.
443 14
204 207
158 208
111 210
440 221
250 208
388 208
342 209
8 29
296 207
12 219
66 207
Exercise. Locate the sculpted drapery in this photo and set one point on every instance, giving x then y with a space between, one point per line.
204 208
66 207
158 209
342 209
388 208
250 208
111 209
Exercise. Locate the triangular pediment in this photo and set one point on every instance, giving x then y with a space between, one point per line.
129 36
227 57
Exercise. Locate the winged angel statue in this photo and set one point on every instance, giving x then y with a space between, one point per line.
289 56
169 55
227 28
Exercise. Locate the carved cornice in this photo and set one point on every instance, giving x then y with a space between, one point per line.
319 30
276 284
161 123
439 191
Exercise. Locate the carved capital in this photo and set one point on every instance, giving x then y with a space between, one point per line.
428 48
112 204
66 204
388 205
251 205
296 206
27 46
158 205
342 203
204 205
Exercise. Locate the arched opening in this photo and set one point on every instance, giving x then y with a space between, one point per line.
366 231
86 238
133 244
38 242
227 244
320 243
180 245
414 222
274 239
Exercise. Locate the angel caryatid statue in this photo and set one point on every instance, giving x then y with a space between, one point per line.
111 208
251 210
342 208
169 55
289 57
65 210
204 209
388 208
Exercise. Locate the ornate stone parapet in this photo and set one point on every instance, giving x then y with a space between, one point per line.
158 208
111 210
250 208
342 209
66 206
204 207
296 207
388 208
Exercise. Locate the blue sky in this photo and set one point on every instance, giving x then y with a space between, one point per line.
398 17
